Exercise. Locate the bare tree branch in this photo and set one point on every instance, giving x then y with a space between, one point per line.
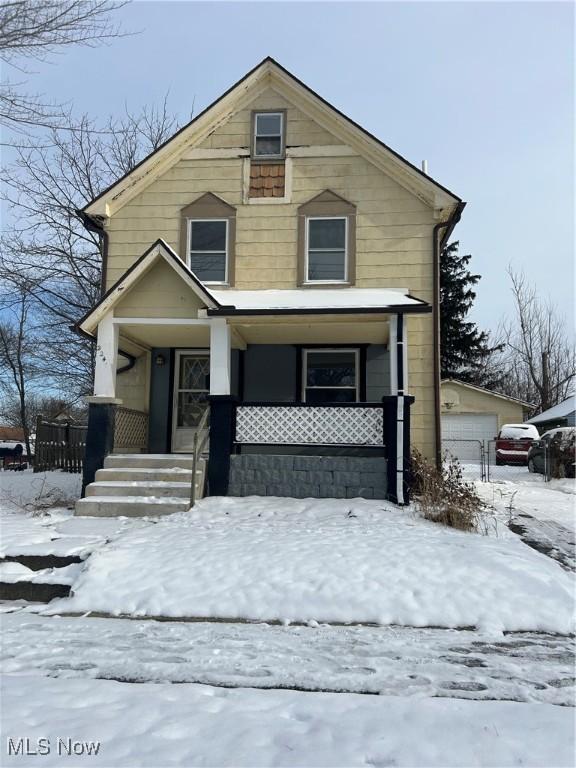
37 30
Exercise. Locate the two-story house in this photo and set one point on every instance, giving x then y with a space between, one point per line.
271 270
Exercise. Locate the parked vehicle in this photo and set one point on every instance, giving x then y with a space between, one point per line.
553 450
513 443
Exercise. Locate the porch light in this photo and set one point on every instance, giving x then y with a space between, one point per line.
160 360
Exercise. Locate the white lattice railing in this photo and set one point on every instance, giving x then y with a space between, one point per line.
305 425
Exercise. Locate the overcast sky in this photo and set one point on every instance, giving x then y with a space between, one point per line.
483 91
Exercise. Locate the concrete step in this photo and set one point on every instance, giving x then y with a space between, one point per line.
130 506
132 474
32 592
41 562
139 488
148 461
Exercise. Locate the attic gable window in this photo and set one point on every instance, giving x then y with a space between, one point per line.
268 135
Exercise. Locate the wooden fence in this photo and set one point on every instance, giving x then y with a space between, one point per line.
59 445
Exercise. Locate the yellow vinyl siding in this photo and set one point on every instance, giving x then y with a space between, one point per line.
301 130
132 386
393 232
159 293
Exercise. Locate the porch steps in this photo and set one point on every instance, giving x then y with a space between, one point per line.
148 461
142 485
138 488
130 506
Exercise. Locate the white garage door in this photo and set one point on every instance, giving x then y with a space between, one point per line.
459 427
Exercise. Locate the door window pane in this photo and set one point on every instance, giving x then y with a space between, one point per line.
208 250
194 372
326 249
191 407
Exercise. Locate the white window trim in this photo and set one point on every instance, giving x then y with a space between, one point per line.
275 156
305 353
226 252
307 280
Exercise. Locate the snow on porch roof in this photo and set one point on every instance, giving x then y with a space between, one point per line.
316 301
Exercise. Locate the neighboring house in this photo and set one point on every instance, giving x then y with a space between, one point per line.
11 435
274 262
475 413
561 415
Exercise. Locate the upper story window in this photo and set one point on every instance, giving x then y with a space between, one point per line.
269 135
208 249
327 241
326 248
207 239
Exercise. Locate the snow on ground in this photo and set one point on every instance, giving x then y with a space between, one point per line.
194 725
323 560
21 491
36 517
523 491
399 661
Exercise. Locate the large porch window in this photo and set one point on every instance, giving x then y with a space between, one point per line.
330 376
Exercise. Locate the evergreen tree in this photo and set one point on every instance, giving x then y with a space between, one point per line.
464 349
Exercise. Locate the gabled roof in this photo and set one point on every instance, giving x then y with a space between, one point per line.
560 411
486 391
271 74
158 250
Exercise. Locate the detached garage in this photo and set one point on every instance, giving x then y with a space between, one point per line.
474 413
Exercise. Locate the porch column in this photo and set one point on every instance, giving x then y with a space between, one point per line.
106 358
396 414
102 406
398 346
220 346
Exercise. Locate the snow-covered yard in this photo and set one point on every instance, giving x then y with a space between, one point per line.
193 725
290 560
29 491
445 696
527 492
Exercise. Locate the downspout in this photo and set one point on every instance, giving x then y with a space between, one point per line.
437 245
94 225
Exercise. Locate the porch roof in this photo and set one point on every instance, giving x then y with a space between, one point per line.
308 301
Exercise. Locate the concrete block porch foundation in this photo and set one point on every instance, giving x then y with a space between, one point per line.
318 477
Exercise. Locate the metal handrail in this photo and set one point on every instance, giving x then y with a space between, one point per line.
198 447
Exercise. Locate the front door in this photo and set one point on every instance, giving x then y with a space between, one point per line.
191 390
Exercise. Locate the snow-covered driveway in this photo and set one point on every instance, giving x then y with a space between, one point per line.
346 561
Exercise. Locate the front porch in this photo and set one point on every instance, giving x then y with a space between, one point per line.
321 375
